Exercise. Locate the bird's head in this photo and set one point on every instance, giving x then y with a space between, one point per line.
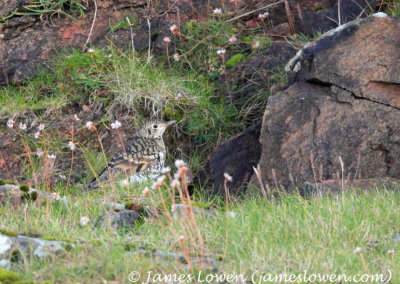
155 128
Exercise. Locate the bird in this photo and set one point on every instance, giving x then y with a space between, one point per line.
142 157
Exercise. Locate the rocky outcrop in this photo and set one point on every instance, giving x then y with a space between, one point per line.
258 73
118 219
14 195
340 117
237 156
29 41
15 248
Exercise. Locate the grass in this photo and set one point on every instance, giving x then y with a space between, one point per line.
288 235
113 80
43 8
393 8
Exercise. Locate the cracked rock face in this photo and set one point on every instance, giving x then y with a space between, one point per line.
343 108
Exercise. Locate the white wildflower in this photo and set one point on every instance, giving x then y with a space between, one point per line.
158 183
166 40
217 11
41 127
174 29
71 145
36 135
10 123
90 125
39 152
180 163
84 221
178 97
181 238
391 251
232 39
357 250
221 52
22 126
255 44
176 57
263 16
165 170
52 157
90 51
116 124
228 177
76 117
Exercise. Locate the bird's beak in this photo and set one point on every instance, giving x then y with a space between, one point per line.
171 122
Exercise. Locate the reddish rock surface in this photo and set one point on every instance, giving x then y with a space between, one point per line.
341 113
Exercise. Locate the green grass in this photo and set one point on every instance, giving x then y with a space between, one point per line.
286 235
116 80
42 8
393 8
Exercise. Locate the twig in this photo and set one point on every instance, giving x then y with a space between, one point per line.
130 27
91 28
148 52
248 13
290 17
339 12
257 171
342 169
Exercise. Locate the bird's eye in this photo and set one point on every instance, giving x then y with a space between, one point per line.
155 125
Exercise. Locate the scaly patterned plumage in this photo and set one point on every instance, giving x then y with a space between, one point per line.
143 156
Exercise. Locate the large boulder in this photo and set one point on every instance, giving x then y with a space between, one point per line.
340 117
236 156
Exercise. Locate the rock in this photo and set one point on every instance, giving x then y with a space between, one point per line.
341 114
237 156
29 42
16 248
118 219
17 194
251 77
305 14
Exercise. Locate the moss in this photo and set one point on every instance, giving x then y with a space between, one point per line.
32 196
15 256
8 277
247 39
51 238
68 247
235 60
24 187
3 182
8 233
318 8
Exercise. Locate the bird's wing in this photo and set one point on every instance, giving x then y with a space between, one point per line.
138 155
133 162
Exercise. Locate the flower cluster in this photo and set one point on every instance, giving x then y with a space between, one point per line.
90 125
116 124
